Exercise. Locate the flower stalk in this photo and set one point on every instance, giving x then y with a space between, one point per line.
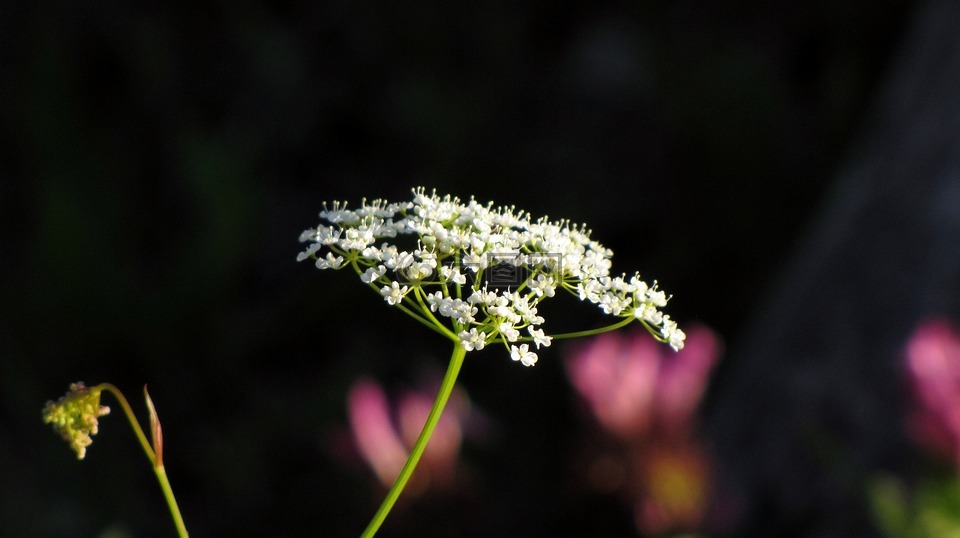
446 388
75 416
476 275
472 273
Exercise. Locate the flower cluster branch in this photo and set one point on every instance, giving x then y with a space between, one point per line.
477 273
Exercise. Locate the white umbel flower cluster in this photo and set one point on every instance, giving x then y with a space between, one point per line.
482 269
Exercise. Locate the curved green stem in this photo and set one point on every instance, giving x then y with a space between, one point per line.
426 311
437 328
446 388
158 468
132 419
590 332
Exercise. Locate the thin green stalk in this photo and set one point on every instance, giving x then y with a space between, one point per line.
446 388
352 256
437 328
426 311
622 323
158 468
133 421
171 500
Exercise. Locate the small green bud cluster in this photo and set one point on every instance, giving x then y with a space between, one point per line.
74 416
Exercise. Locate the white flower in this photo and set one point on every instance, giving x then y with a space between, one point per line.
539 338
610 304
447 307
621 286
373 254
523 354
372 274
330 261
339 214
436 299
543 285
397 260
589 290
656 297
472 339
671 334
308 235
482 297
639 286
474 261
357 238
526 309
648 313
676 339
463 312
509 331
393 293
328 235
311 250
452 274
451 248
502 307
418 271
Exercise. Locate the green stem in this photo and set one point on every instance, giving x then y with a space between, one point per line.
171 500
622 323
437 328
151 455
426 311
133 421
446 387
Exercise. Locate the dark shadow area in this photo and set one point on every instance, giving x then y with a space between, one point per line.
789 173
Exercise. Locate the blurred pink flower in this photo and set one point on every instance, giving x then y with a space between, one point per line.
933 366
440 456
646 397
385 443
632 384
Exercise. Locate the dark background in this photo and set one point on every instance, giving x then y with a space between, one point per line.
159 163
